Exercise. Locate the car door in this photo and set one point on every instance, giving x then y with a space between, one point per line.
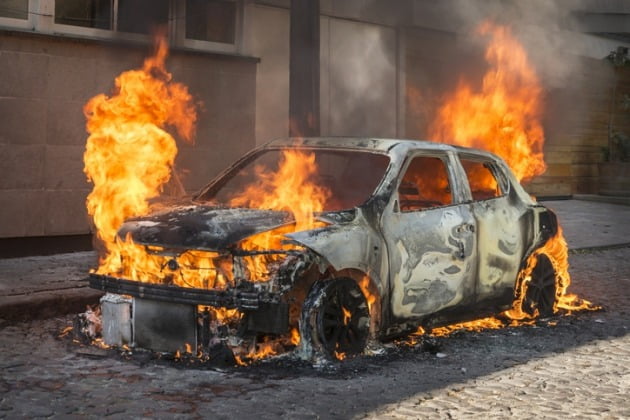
500 243
430 239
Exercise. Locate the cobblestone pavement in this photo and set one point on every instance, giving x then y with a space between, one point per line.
570 366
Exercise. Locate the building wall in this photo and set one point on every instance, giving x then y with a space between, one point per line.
267 36
358 74
579 108
44 83
576 124
358 87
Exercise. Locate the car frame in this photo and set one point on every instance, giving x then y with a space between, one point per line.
372 272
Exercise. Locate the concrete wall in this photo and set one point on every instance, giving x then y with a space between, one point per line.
358 86
267 36
44 83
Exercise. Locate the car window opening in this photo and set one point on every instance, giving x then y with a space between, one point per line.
425 185
348 177
483 183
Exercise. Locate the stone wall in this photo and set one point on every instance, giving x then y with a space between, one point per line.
580 120
44 83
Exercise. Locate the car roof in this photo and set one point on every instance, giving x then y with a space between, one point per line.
374 144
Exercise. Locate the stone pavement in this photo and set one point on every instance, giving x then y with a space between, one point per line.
589 224
575 366
40 287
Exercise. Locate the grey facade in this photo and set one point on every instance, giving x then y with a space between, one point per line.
372 54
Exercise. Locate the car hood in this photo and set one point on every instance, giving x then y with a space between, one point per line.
201 227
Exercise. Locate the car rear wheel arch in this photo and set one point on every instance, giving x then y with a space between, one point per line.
541 290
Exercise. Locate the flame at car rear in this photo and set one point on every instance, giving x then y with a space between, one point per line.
504 116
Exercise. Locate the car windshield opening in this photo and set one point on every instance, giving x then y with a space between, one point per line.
345 179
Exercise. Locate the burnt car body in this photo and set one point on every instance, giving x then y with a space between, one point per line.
417 234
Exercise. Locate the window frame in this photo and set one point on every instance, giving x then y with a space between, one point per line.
500 178
446 160
41 19
179 30
15 23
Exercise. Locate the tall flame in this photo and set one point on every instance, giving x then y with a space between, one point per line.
129 154
504 117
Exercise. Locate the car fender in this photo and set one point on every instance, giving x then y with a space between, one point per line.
352 245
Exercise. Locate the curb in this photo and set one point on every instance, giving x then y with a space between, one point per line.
589 249
51 303
46 304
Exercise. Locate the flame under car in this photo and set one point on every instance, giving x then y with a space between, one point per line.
404 234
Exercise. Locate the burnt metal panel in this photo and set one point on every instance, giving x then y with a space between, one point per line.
432 259
201 227
500 244
116 319
272 318
352 245
164 326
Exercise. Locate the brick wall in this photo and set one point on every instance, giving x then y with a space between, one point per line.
578 121
44 83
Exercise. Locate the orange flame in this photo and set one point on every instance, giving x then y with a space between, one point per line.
347 316
259 351
476 325
504 117
129 155
557 251
295 337
288 189
364 284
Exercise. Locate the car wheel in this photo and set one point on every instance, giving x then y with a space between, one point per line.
335 318
541 290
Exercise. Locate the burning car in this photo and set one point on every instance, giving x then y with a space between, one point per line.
330 243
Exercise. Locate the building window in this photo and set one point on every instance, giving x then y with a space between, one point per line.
211 20
86 13
142 16
15 9
210 25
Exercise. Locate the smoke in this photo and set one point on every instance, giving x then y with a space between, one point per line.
548 29
358 86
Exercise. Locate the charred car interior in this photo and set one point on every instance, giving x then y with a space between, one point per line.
327 244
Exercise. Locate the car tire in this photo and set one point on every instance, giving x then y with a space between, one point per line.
335 319
540 294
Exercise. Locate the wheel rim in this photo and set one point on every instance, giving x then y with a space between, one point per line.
541 290
342 321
